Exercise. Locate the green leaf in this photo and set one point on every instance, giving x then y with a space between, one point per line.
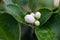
44 34
15 11
8 2
9 29
54 24
21 2
45 15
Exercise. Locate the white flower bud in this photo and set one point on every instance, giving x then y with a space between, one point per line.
38 15
32 14
56 3
29 19
37 23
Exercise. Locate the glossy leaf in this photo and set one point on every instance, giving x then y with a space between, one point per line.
9 29
44 34
54 24
15 11
21 2
45 15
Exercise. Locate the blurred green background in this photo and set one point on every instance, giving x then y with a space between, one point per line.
27 5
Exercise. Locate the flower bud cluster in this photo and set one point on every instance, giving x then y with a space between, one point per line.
33 18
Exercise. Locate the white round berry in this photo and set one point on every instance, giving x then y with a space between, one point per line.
37 23
32 14
29 19
37 15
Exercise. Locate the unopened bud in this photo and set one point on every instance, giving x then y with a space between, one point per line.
37 23
38 15
29 19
